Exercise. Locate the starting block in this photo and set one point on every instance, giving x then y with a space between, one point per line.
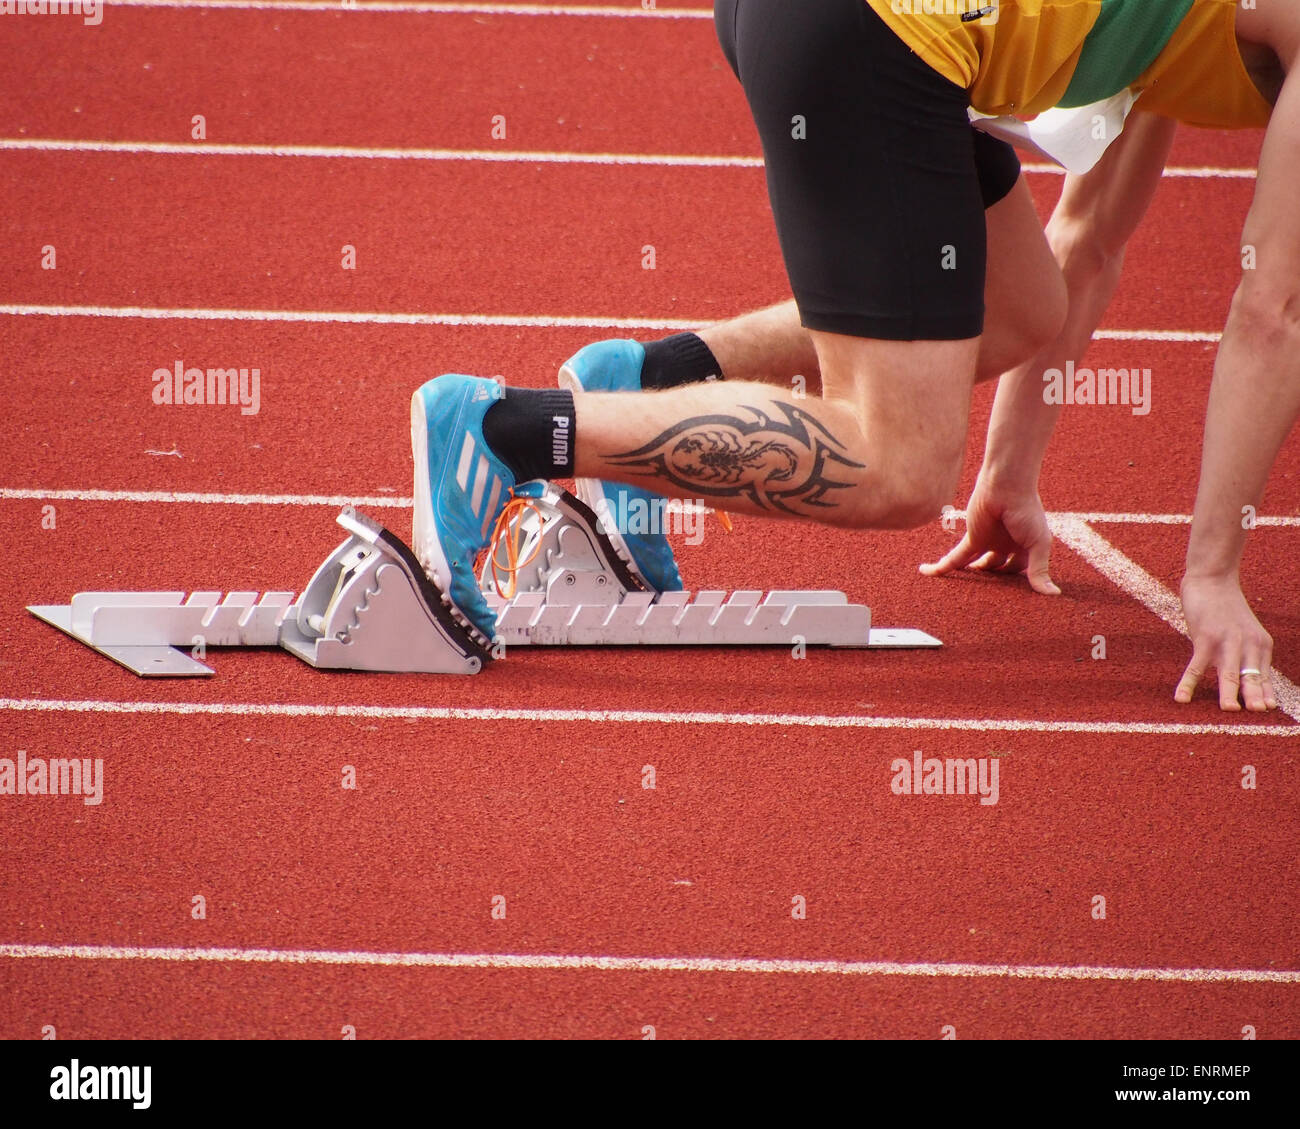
370 606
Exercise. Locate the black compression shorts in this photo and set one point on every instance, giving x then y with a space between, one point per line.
877 180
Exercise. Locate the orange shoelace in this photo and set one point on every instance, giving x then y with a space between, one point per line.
503 534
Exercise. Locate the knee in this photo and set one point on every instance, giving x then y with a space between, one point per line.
911 491
918 502
915 508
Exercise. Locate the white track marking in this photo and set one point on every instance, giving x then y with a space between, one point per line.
545 962
630 11
337 500
517 156
641 717
20 494
508 321
1135 581
1129 577
1193 172
1096 517
1178 336
349 152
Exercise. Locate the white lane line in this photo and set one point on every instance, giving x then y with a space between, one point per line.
36 494
189 497
1277 521
548 962
631 11
1124 573
395 502
1136 582
641 717
1098 518
1179 336
514 156
1192 172
508 321
352 152
14 493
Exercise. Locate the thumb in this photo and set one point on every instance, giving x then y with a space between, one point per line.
1040 577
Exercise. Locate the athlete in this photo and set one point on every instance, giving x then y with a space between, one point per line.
918 266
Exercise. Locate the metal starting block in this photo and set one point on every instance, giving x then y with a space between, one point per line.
370 606
577 591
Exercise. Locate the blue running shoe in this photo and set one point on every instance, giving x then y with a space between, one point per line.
461 487
615 366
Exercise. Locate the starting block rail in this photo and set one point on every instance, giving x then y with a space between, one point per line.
370 606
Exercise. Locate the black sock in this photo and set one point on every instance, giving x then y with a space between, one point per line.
680 359
531 431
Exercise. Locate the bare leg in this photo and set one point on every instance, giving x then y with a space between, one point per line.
882 448
1023 294
770 346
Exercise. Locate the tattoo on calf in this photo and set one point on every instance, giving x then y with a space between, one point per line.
725 456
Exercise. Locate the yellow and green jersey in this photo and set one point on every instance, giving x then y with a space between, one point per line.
1022 57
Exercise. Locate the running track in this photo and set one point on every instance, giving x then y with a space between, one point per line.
627 908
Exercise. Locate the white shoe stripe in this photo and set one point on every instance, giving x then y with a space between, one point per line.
480 481
466 454
493 498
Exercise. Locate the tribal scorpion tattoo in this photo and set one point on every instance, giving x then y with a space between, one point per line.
723 456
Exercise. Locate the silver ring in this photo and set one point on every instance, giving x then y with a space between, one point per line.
1249 670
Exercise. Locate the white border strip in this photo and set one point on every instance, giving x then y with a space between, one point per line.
641 717
633 10
184 497
536 157
192 498
658 964
1179 336
1193 172
1126 575
1096 518
508 321
1133 580
351 152
1278 521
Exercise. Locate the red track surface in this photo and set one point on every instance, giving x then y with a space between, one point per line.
245 807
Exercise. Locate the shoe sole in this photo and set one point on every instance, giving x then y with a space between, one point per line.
428 549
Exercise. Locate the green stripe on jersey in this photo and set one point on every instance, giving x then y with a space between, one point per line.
1126 39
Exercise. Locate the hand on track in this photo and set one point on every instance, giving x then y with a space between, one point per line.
1005 532
1227 636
